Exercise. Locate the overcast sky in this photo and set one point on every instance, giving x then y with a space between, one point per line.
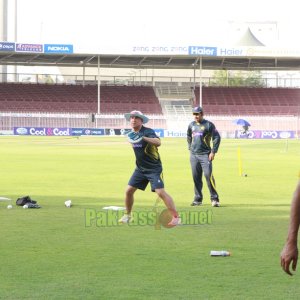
152 22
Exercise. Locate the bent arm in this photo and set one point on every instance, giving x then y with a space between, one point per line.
153 141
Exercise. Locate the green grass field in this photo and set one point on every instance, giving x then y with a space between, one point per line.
50 253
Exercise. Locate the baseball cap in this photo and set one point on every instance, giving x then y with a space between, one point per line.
138 114
197 110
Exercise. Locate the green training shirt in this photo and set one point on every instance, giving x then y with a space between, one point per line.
147 156
200 135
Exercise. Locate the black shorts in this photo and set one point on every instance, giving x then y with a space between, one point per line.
140 180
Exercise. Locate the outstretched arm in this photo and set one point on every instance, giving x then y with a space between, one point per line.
289 253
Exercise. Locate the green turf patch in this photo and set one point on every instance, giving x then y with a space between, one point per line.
51 253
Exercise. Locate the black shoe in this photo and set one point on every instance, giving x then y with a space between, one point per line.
32 205
196 203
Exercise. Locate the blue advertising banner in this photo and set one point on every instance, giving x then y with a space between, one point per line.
42 131
159 132
204 51
5 46
29 48
265 134
58 48
87 131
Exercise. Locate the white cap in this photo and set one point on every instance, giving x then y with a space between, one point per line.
138 114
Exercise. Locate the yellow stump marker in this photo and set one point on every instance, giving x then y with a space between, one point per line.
239 161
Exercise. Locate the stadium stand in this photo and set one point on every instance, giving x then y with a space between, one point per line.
76 104
120 99
249 101
77 98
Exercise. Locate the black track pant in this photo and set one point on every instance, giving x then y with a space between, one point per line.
200 164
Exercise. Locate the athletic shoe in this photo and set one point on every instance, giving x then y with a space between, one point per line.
215 203
175 221
126 219
196 203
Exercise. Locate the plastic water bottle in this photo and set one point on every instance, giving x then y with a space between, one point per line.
219 253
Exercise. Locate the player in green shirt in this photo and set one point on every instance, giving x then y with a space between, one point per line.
200 133
145 142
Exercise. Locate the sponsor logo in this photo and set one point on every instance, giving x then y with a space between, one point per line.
34 131
137 145
204 51
285 134
59 131
230 52
263 134
97 132
21 130
197 134
76 131
269 134
49 131
58 48
171 133
7 46
87 131
29 48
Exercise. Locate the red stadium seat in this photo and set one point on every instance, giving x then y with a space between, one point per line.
75 98
249 101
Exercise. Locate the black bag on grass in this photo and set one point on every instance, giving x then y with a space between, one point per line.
25 200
